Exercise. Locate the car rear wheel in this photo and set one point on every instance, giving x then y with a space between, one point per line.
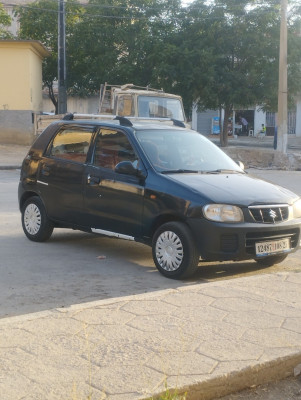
174 250
36 225
271 260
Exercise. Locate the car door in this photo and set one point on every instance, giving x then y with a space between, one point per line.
61 173
114 201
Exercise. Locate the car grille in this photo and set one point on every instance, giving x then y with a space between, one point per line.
269 214
254 237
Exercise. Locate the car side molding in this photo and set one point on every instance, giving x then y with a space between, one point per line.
113 234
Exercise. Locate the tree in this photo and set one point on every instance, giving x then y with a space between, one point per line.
5 21
226 55
116 41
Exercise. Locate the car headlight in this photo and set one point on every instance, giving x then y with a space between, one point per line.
297 209
223 213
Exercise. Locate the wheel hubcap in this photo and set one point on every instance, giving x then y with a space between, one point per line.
169 251
32 219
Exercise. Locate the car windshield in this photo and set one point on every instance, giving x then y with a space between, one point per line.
160 107
184 151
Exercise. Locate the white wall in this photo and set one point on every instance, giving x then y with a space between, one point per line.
194 118
259 119
87 105
298 117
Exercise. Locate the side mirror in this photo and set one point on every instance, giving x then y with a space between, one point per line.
240 164
127 168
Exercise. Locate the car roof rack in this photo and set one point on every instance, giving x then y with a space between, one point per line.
176 122
124 121
68 117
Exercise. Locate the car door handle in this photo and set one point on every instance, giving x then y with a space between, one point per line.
93 179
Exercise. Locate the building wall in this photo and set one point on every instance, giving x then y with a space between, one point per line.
35 76
21 89
202 121
16 127
20 77
259 119
75 104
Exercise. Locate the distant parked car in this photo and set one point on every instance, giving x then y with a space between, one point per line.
165 186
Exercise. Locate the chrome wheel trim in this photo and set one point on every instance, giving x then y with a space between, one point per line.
32 219
169 251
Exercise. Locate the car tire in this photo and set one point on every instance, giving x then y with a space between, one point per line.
271 260
36 225
174 251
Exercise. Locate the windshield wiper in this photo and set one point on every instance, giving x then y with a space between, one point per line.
223 171
180 171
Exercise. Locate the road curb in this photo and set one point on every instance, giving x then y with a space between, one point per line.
236 381
9 167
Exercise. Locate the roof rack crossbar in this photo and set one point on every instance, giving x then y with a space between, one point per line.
123 121
176 122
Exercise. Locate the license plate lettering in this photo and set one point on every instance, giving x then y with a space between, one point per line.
272 247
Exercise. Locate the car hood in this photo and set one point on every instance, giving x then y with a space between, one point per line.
233 188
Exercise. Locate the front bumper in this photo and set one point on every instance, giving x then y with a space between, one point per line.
222 242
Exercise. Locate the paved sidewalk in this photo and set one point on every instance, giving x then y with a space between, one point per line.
207 339
12 155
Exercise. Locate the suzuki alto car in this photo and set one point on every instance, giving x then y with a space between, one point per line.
166 186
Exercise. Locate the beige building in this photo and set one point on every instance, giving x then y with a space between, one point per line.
21 89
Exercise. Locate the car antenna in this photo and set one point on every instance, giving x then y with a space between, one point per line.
124 121
176 122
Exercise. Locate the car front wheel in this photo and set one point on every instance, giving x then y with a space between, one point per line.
271 260
36 225
174 250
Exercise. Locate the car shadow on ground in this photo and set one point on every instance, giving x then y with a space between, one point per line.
104 247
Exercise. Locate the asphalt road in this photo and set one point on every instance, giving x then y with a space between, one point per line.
75 267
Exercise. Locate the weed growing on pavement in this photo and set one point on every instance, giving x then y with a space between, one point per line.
168 395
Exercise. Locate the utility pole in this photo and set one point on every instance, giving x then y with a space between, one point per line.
282 85
62 94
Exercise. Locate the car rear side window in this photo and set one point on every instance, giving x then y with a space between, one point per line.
72 144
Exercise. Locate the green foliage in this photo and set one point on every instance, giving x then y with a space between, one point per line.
5 21
170 395
226 55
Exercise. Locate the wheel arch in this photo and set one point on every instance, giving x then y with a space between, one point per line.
27 195
163 219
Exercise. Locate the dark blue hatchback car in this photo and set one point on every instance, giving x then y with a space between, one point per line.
166 186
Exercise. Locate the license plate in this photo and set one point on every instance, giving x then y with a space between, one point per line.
272 247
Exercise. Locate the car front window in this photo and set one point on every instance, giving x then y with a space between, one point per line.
183 151
111 148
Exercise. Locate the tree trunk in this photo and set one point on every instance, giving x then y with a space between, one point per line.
52 96
224 132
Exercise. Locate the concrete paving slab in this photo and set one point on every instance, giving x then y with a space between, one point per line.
207 340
